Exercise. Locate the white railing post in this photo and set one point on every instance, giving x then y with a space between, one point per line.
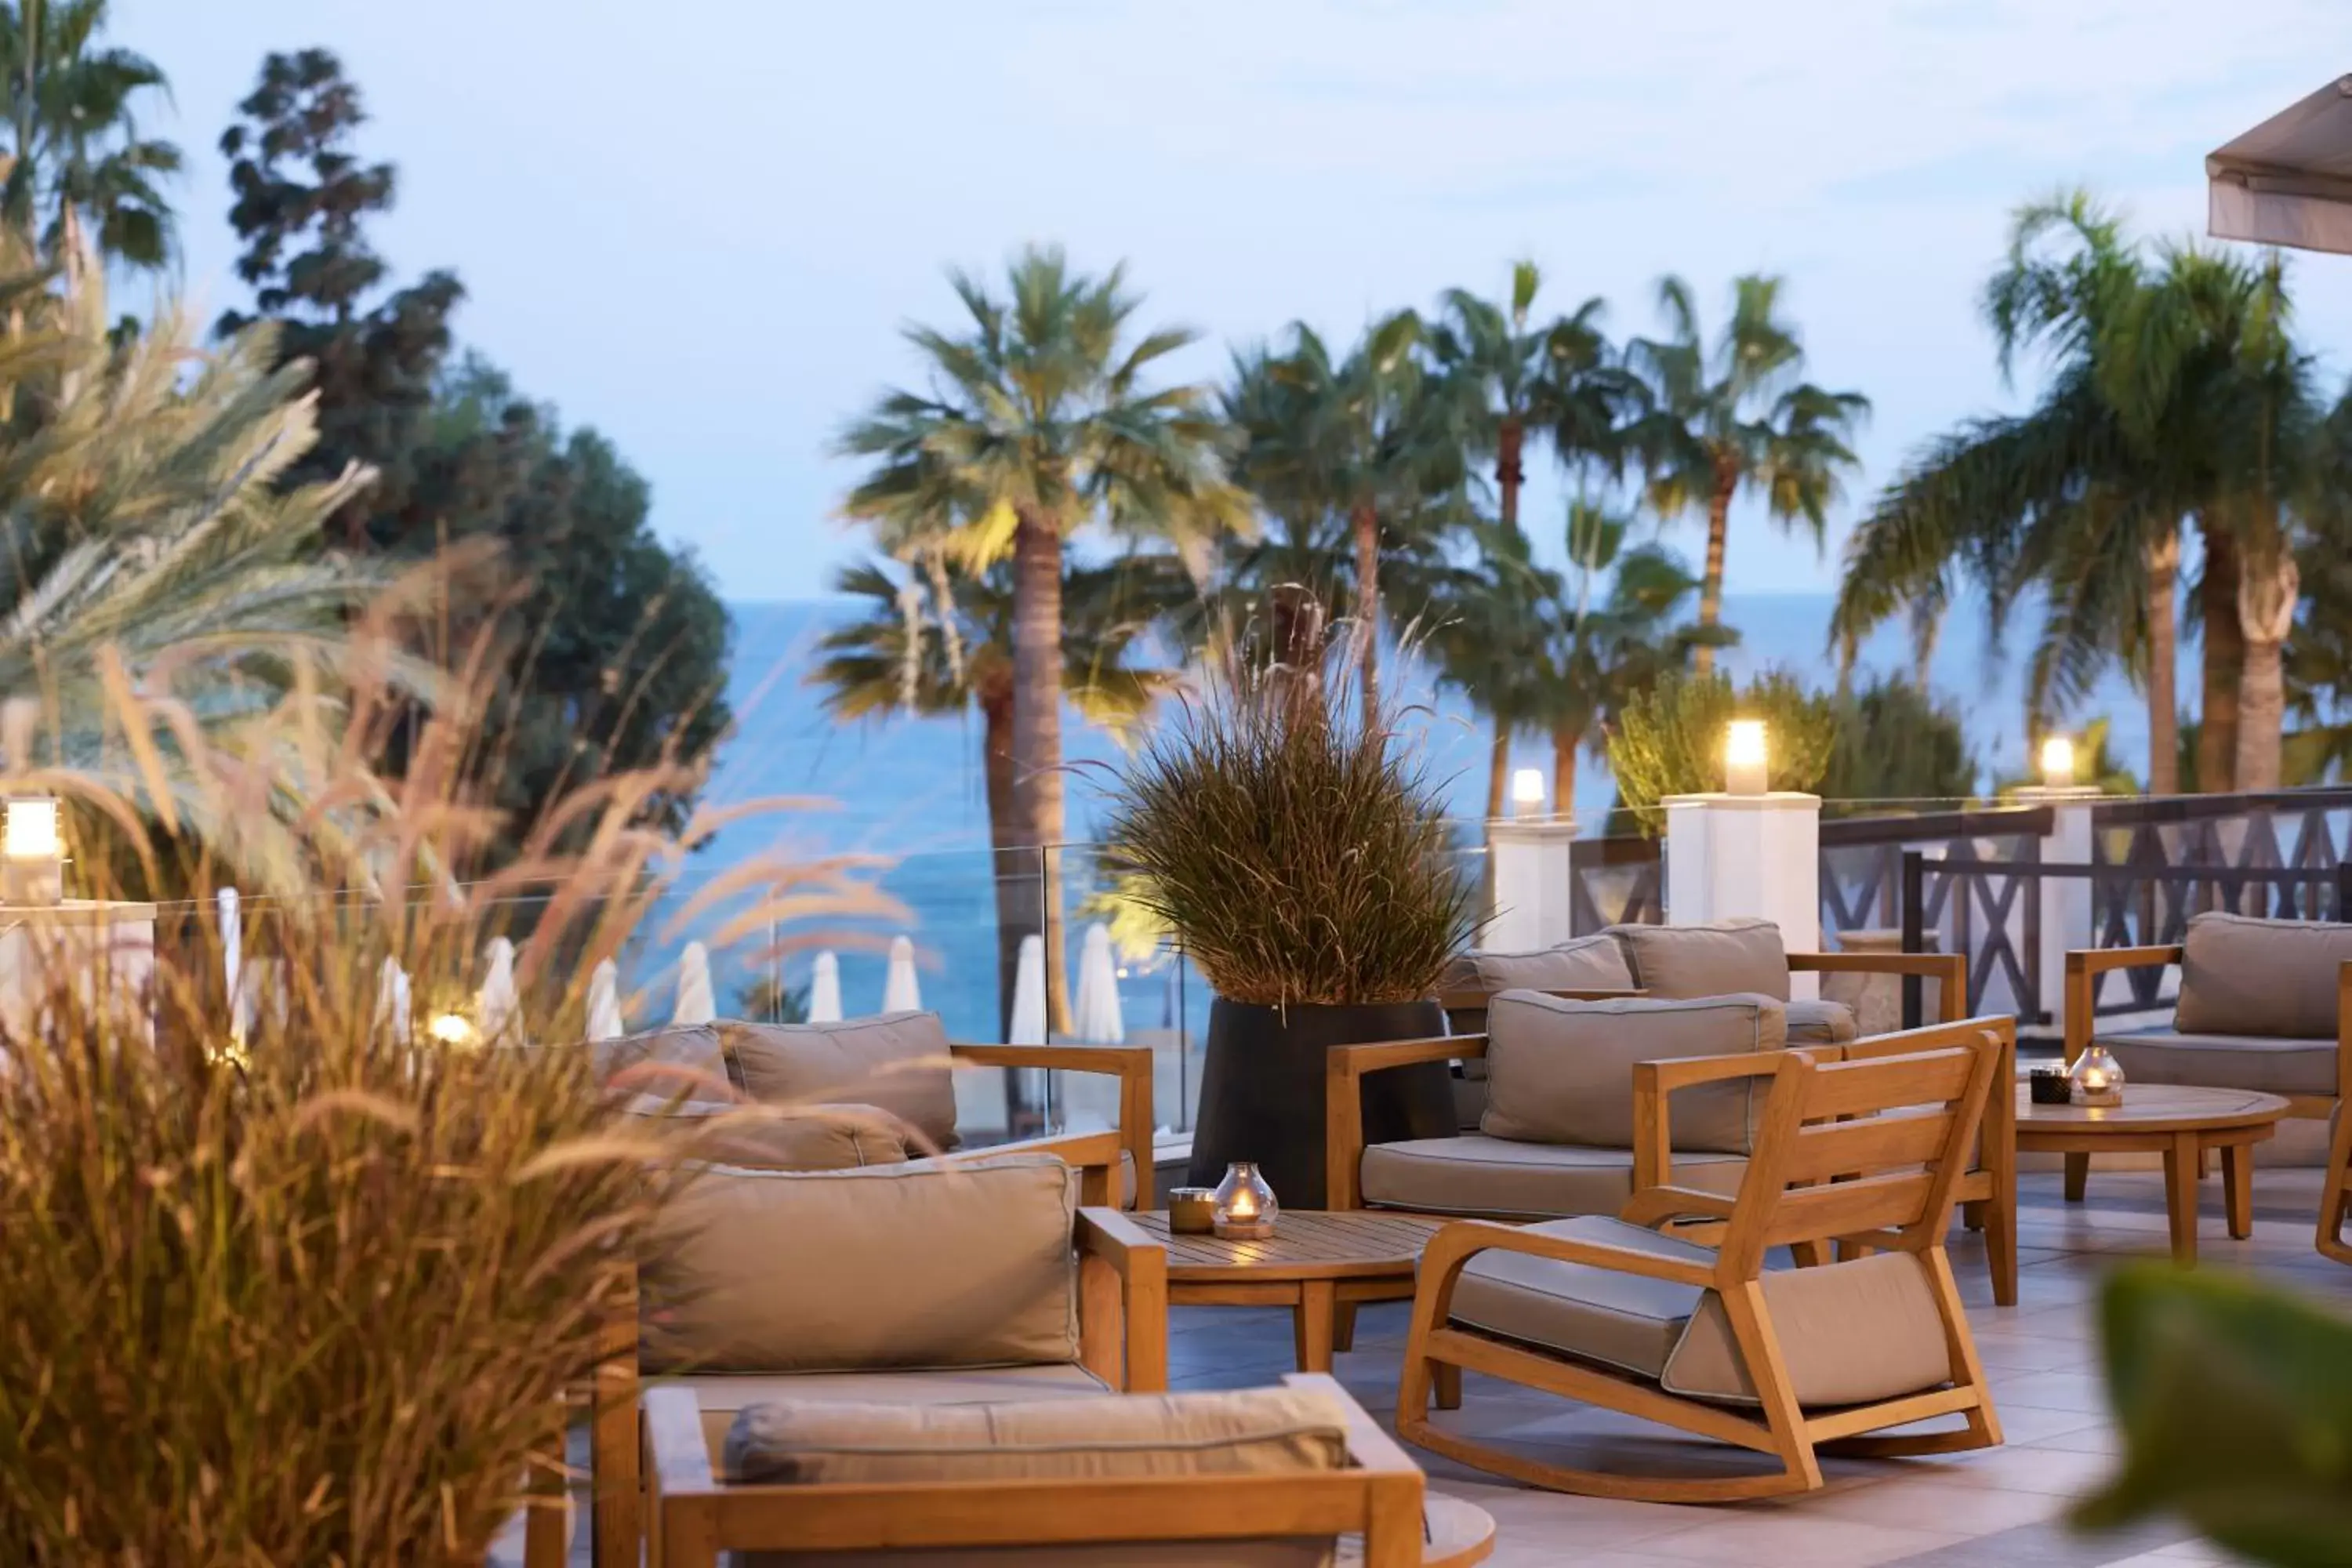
1534 884
1754 856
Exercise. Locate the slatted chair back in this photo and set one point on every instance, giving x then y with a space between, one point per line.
1871 1149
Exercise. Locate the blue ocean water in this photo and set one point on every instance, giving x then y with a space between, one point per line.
910 789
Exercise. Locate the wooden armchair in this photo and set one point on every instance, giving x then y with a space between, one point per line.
1615 1313
1122 1314
1097 1155
1378 1495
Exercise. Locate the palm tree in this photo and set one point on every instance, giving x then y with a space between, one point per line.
1490 633
1737 418
1375 441
1040 422
81 172
933 643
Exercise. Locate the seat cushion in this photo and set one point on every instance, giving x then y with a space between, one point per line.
929 1263
1474 1174
2258 1062
1721 959
1249 1432
1586 964
899 1061
1819 1023
724 1395
686 1061
2242 977
772 1137
1562 1072
1848 1333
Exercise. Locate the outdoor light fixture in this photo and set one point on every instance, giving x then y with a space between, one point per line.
2057 762
1245 1204
451 1030
1527 791
1743 760
2098 1077
32 852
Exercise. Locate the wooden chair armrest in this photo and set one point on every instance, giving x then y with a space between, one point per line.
676 1452
1094 1155
2084 967
1344 1068
1122 1301
615 1451
1460 1240
1654 1206
1654 1084
2344 1035
1131 1065
1927 1038
1950 968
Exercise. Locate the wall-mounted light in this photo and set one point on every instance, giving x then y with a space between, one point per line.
1746 763
32 851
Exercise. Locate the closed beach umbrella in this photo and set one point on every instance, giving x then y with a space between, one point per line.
1099 1019
899 992
696 1002
391 998
1028 1026
824 990
605 1002
232 936
498 1007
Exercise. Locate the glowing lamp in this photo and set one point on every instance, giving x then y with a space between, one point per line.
2057 761
1527 791
1245 1204
451 1028
2098 1077
32 852
1744 760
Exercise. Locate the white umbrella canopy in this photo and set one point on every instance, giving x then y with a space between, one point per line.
232 936
391 998
498 1007
697 1004
1028 1024
605 1002
824 990
900 993
2289 180
1099 1020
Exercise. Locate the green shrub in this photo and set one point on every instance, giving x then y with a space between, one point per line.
1669 739
1897 743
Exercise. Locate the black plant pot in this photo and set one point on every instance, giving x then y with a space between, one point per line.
1261 1090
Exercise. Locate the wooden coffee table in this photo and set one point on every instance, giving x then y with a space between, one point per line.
1320 1266
2178 1124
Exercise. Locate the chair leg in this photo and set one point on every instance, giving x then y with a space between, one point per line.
2000 1247
1972 1214
1448 1378
2078 1176
2335 1195
1343 1326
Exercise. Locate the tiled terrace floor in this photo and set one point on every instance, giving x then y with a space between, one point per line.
2000 1508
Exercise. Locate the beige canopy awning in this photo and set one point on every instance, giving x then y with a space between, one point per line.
2289 180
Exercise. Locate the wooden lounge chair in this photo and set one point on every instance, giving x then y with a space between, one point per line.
1378 1494
1617 1313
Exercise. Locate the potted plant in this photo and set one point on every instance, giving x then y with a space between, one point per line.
1304 864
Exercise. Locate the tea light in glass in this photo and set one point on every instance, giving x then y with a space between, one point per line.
1245 1205
2098 1078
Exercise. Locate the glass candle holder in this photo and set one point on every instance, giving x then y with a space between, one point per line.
1192 1210
1246 1206
2050 1086
2098 1077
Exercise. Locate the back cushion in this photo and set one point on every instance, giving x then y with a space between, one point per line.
1253 1432
897 1061
928 1264
682 1061
1586 963
1562 1072
2242 977
772 1137
1729 958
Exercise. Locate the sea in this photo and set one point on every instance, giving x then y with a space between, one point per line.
902 796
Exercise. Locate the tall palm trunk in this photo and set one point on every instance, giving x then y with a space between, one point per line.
2163 665
1296 611
1710 588
2225 645
1018 910
1367 521
1038 728
1498 767
2268 586
1565 744
1510 442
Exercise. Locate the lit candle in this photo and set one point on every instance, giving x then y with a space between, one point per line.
2099 1077
1245 1205
1746 767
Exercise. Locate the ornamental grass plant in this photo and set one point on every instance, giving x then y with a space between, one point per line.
1299 855
313 1292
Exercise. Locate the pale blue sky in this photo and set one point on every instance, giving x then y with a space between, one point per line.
700 225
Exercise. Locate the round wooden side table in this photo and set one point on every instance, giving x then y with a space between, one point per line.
1319 1264
2178 1123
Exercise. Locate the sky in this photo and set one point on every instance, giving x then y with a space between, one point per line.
702 227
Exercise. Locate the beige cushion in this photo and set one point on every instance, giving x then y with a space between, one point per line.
930 1263
1562 1072
1849 1332
1819 1023
2258 1062
1255 1432
724 1395
1586 964
773 1137
1473 1175
897 1061
1724 959
2241 976
686 1060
